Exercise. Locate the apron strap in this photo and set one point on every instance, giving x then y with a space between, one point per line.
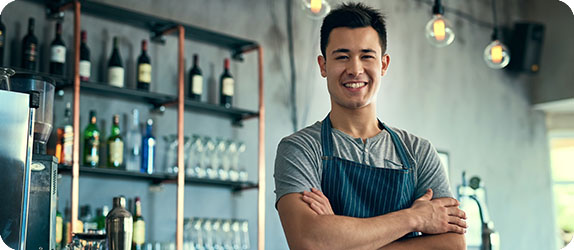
398 146
326 138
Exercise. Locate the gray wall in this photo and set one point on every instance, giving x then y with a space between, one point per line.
481 117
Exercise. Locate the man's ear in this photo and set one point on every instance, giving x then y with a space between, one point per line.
321 60
385 60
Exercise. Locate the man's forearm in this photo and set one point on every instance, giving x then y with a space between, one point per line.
341 232
447 241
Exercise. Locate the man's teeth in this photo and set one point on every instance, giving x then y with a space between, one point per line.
354 85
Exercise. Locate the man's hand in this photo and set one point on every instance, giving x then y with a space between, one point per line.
318 202
437 216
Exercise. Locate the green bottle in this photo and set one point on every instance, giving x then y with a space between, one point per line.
59 229
115 145
101 218
92 142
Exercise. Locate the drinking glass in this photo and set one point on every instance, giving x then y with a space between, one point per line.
87 241
236 232
221 147
243 176
212 161
233 161
5 74
197 157
245 245
217 234
197 234
227 235
171 152
208 230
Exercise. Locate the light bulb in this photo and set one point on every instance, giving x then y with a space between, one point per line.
439 32
496 55
316 9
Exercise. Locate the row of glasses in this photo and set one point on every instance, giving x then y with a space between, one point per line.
215 234
208 158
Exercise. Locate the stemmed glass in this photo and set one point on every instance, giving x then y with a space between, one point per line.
222 159
234 161
242 171
196 157
212 161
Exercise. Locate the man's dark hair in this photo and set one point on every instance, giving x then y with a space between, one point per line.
353 15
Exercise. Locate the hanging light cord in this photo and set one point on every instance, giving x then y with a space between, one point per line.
495 31
460 14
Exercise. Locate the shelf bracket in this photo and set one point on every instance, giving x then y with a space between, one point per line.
159 30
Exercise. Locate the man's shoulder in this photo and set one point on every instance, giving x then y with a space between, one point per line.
306 135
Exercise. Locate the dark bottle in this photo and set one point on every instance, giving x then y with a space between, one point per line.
195 80
85 64
144 69
2 41
67 142
148 150
92 142
115 67
119 226
115 145
139 227
226 87
58 53
30 48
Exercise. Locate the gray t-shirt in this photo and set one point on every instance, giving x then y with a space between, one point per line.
298 165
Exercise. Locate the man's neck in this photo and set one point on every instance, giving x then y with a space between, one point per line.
358 123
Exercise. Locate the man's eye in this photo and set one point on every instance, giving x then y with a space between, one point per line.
368 57
341 57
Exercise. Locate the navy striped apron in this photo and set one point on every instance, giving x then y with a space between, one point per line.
359 190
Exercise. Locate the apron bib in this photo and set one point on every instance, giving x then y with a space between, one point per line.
363 191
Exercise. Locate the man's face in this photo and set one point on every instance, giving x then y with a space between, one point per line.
353 66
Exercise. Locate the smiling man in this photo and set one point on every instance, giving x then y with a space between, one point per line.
351 181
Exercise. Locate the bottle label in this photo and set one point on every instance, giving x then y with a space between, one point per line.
228 86
85 69
68 145
58 54
116 76
30 53
59 227
139 232
197 84
92 145
117 152
144 73
2 38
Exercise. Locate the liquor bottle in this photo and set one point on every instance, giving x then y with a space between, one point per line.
119 226
226 86
66 139
101 218
134 144
144 69
148 150
139 227
115 67
195 80
115 145
58 53
2 41
92 142
87 218
30 48
85 64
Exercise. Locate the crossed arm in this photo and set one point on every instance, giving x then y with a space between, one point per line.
309 223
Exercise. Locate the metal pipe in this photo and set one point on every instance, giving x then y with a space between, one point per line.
76 155
180 131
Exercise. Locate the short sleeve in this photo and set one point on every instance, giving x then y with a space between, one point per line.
430 172
296 168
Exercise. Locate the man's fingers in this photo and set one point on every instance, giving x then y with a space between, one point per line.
455 211
456 229
447 202
457 221
318 209
427 196
319 198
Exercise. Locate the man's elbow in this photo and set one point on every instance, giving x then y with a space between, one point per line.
459 242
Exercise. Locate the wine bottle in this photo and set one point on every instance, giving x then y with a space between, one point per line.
92 142
115 67
59 229
226 86
2 41
148 150
115 145
85 64
144 69
58 53
195 80
139 227
134 144
67 138
30 48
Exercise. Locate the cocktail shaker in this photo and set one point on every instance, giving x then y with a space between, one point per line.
119 226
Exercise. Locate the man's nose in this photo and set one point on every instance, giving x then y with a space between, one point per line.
355 67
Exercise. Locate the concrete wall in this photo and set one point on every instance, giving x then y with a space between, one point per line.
481 117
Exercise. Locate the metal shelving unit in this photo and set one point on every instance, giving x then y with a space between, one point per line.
159 27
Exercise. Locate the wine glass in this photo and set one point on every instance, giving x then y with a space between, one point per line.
243 176
234 161
245 233
5 74
170 153
212 160
221 146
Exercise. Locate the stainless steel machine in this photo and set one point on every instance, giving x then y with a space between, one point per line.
28 210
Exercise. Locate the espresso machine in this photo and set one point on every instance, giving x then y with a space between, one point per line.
29 178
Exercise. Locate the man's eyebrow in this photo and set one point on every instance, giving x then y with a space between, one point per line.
347 51
368 51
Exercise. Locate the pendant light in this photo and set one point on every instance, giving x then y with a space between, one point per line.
496 54
316 9
438 30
